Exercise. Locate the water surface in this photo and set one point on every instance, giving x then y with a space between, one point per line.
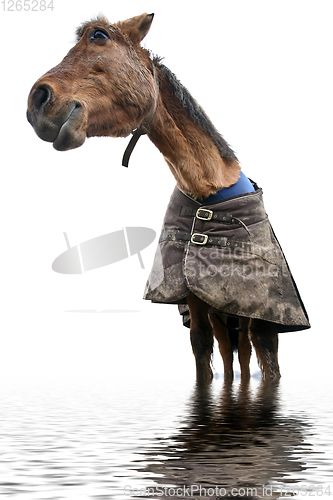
70 438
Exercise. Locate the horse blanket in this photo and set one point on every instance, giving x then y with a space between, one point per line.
227 254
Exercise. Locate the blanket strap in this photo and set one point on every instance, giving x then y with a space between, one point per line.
204 239
144 127
216 216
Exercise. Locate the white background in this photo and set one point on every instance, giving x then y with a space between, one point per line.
262 70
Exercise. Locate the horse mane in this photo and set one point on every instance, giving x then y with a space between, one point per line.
194 110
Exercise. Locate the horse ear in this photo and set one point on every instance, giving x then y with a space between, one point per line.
136 27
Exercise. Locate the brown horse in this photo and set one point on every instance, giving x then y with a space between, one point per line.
108 85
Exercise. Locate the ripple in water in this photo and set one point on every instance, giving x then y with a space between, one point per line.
107 440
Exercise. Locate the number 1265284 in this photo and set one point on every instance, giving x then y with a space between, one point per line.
27 5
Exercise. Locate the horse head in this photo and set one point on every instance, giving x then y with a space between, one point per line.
103 87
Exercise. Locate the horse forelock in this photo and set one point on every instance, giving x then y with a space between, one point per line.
99 21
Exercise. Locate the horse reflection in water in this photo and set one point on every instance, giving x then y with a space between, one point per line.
236 442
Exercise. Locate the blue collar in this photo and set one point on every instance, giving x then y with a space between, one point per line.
243 185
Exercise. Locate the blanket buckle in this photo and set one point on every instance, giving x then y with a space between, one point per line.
204 214
203 238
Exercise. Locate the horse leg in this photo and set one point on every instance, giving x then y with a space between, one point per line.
264 337
244 348
221 333
201 337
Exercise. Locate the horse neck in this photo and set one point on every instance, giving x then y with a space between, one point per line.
191 153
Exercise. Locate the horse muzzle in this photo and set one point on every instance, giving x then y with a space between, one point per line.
61 122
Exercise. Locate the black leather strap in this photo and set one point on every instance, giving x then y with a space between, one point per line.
174 235
131 145
206 214
144 127
203 213
204 240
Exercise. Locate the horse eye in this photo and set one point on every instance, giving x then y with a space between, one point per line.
98 34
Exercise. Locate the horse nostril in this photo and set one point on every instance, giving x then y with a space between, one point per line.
41 96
